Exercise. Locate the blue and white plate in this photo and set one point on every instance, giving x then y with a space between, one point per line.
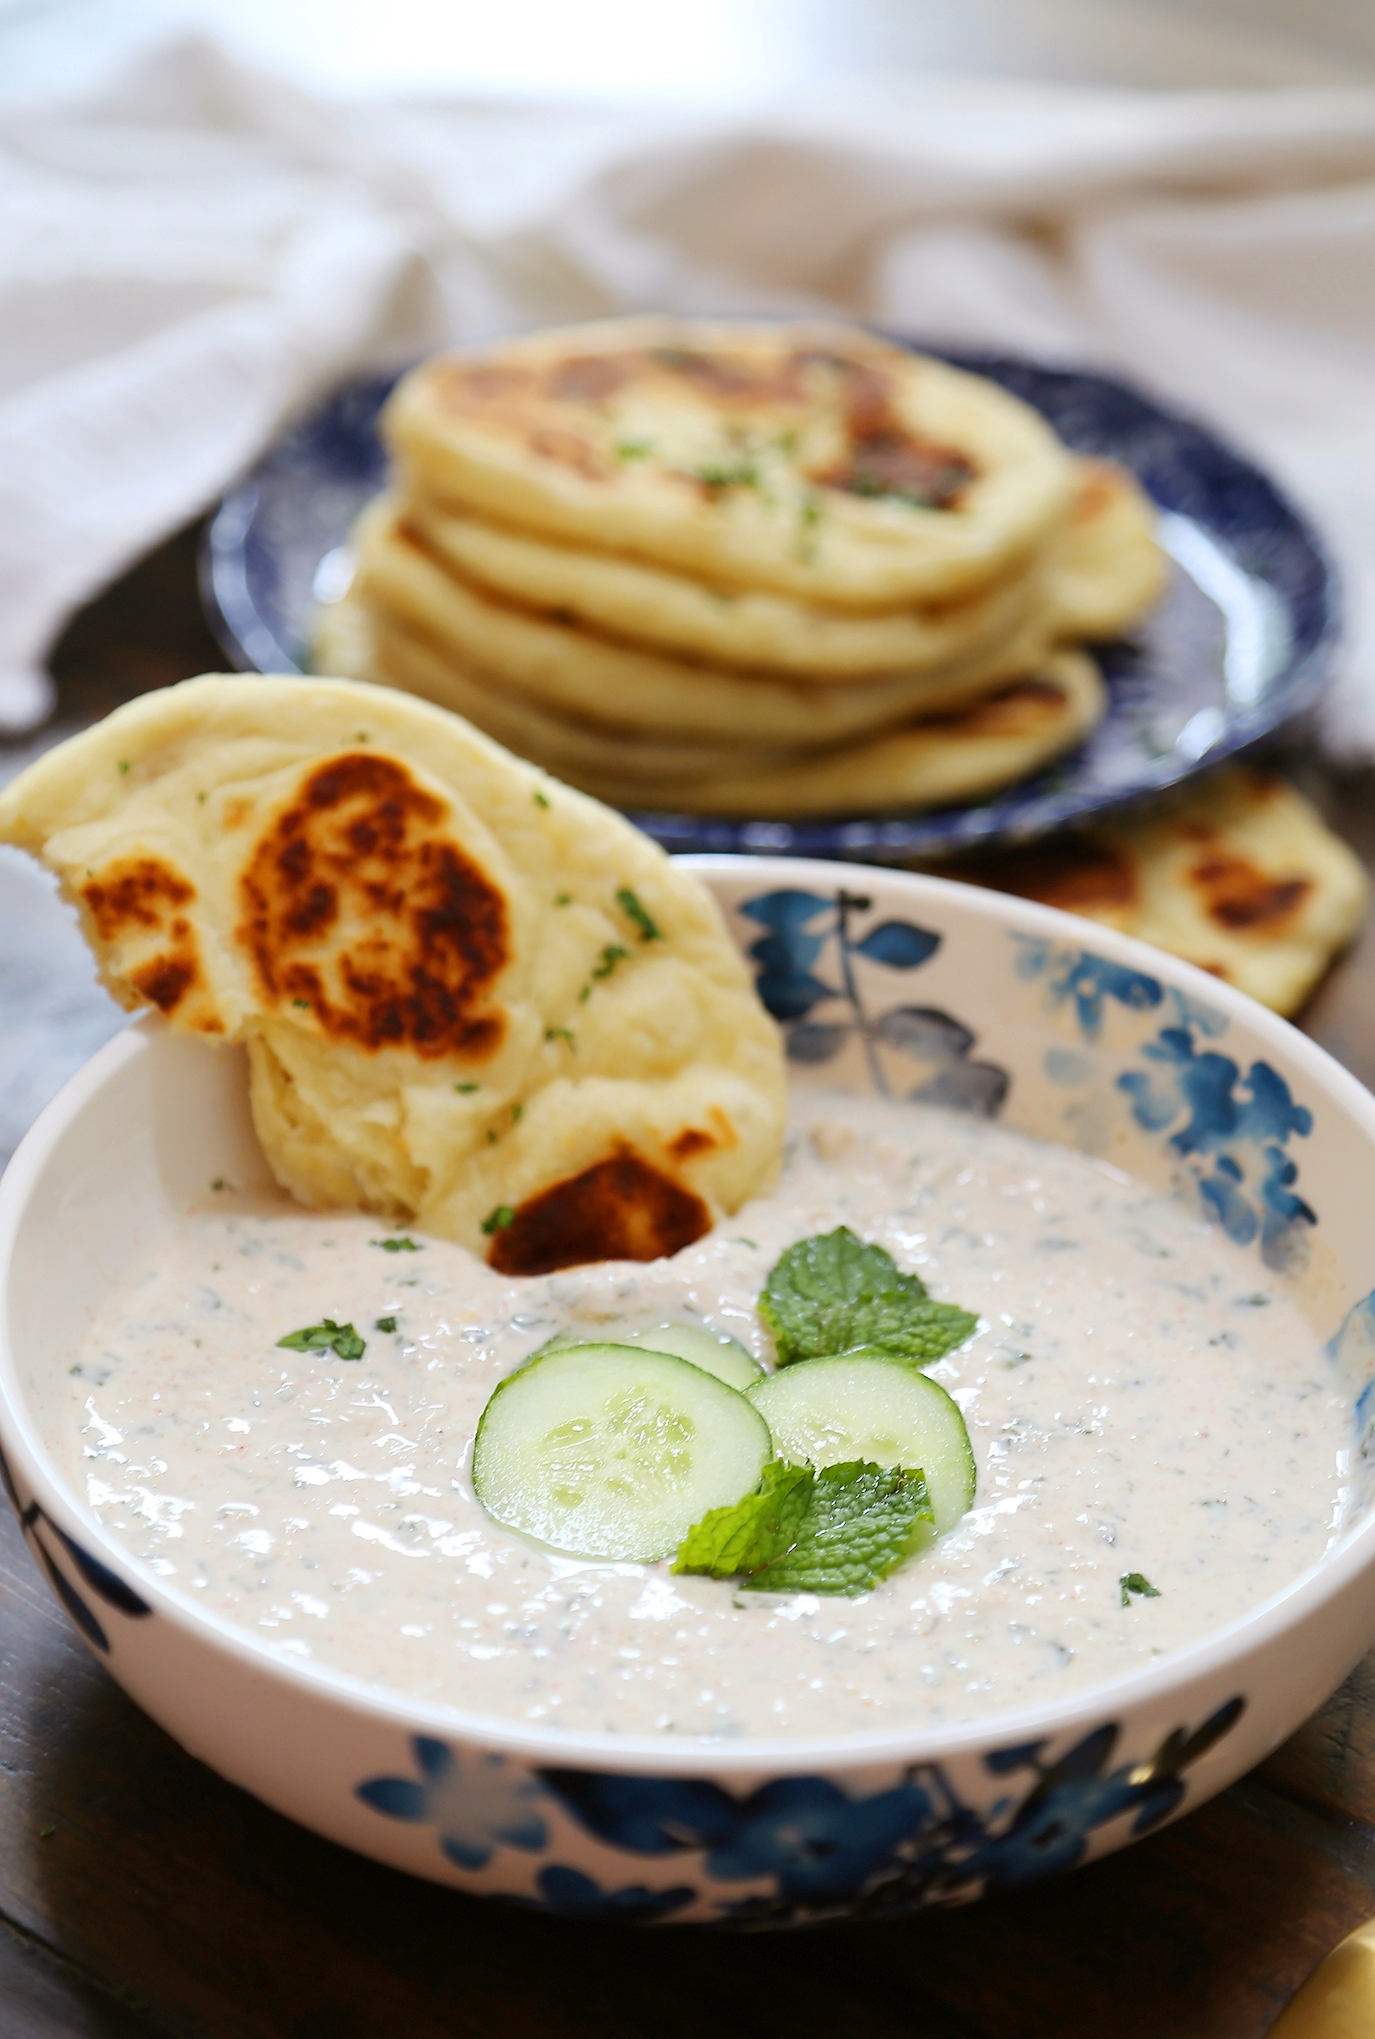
1239 646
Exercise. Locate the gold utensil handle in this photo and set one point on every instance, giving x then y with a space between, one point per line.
1338 1999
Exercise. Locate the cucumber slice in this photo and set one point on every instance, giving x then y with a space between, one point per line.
712 1351
614 1451
723 1356
870 1406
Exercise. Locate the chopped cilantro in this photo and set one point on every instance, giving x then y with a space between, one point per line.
540 800
124 764
612 954
633 449
402 1244
326 1336
517 1113
498 1220
841 1530
832 1293
741 1240
561 1034
1137 1582
200 799
221 1182
465 1089
632 909
563 899
46 1833
716 475
385 1324
302 1001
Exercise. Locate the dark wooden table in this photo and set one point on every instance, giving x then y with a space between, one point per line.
139 1894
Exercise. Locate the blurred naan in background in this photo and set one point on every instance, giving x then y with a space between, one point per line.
1237 873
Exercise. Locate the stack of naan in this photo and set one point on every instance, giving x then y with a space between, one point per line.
759 570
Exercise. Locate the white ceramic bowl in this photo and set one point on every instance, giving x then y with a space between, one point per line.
905 985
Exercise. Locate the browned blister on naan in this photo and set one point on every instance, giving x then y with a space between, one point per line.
473 1000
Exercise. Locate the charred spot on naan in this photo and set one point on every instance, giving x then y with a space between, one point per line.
622 1208
138 904
355 905
1243 899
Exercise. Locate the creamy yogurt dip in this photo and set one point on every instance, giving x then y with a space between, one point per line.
1141 1395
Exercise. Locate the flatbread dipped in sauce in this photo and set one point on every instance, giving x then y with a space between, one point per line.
472 999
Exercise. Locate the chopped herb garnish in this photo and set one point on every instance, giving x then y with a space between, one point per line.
713 475
632 909
200 799
385 1324
498 1220
302 1001
402 1244
612 954
633 449
1137 1582
124 764
832 1293
841 1530
46 1833
465 1089
517 1113
221 1183
561 1034
491 1136
540 800
563 899
741 1240
326 1336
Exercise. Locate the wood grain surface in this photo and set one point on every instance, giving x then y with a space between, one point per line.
139 1894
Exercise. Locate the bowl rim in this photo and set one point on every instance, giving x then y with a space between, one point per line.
1202 1662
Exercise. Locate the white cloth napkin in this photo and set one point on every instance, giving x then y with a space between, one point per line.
200 252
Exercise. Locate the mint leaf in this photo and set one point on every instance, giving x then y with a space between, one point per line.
862 1520
754 1531
326 1336
832 1293
1137 1582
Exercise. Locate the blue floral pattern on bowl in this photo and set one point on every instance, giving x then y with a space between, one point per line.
39 1528
820 1850
1239 646
932 1046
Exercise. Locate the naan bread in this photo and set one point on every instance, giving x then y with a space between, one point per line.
814 461
1007 730
473 999
627 691
1093 579
959 754
633 602
1109 568
1237 873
